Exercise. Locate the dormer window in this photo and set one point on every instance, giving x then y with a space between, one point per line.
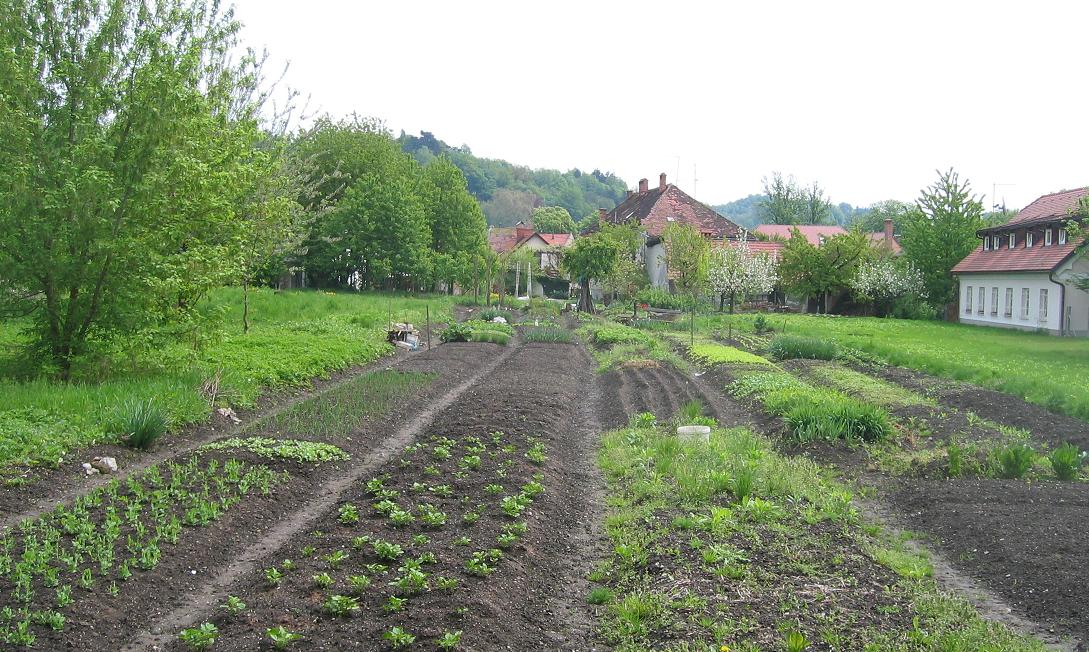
1062 236
994 242
1013 240
1028 239
1047 237
987 243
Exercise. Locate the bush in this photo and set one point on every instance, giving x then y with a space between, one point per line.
143 423
787 347
456 333
552 334
761 325
492 337
834 418
1066 461
659 298
1015 460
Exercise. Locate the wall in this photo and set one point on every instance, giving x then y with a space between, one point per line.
1034 281
655 258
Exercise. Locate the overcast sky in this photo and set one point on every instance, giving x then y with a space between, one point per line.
867 98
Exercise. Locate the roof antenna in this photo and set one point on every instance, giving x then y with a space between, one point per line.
694 180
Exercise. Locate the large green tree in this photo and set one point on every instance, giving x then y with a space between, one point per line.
458 227
591 258
942 232
785 202
825 271
126 150
553 219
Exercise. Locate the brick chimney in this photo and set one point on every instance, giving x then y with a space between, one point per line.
643 185
601 213
661 182
888 228
630 193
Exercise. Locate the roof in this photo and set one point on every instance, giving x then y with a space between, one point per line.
656 208
1037 258
879 239
773 248
1056 206
507 238
812 232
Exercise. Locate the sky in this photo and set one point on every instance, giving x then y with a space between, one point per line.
868 99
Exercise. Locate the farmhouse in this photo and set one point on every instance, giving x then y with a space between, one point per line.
1022 273
546 248
655 209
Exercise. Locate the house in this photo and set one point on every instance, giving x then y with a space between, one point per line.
1022 273
816 234
547 248
657 208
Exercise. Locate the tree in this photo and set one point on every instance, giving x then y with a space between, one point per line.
736 271
823 271
785 202
687 254
942 232
815 208
508 207
458 227
627 275
591 258
884 281
873 220
126 143
553 219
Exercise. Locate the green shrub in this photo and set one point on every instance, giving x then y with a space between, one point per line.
456 333
491 313
659 298
832 417
143 422
492 337
1066 461
553 334
498 327
787 347
761 325
1015 460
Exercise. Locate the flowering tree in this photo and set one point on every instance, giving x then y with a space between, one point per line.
736 271
884 281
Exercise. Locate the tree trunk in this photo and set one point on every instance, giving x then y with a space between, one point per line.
733 297
245 306
586 302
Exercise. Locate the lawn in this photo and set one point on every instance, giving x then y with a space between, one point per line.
294 337
1042 369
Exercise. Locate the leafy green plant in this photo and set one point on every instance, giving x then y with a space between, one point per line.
234 605
199 638
143 423
449 640
281 637
348 514
1015 460
600 595
341 606
359 584
955 460
387 550
273 576
456 333
285 449
786 347
399 637
1066 461
394 604
323 580
795 641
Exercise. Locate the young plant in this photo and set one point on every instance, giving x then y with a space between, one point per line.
233 606
336 558
449 640
796 641
281 638
341 606
359 584
386 550
394 604
1066 461
199 638
323 580
348 515
1015 460
273 576
399 638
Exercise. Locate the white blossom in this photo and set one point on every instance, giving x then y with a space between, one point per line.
738 272
886 280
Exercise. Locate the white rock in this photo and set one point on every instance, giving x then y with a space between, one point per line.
499 320
105 464
88 469
228 413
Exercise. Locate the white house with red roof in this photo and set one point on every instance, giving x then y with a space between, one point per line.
1022 273
546 246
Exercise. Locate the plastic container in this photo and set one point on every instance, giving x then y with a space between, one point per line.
695 433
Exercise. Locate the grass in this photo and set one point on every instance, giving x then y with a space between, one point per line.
294 337
688 539
616 344
788 347
1041 369
867 388
549 334
711 354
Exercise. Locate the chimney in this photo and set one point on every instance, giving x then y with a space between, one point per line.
601 213
661 182
888 228
630 193
643 187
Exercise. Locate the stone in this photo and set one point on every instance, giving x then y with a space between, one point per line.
228 414
88 469
105 464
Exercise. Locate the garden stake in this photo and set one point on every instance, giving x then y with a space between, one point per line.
427 310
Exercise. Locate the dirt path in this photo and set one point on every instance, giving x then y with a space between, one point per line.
197 604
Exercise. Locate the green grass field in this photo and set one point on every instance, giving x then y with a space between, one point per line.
294 337
1043 369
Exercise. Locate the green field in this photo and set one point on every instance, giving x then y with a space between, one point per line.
294 337
1043 369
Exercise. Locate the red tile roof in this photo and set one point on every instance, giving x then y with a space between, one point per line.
1056 206
1038 258
557 239
656 208
773 248
879 239
812 232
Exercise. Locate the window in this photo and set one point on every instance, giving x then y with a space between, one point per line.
1009 303
994 302
1013 240
1062 236
1024 303
1028 239
1043 305
994 243
968 301
1047 237
982 299
986 243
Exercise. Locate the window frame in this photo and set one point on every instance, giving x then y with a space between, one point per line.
982 307
1008 312
1028 239
1048 237
1062 236
1043 306
1013 240
994 301
987 243
1025 303
968 300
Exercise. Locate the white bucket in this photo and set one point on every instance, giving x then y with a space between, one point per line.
695 433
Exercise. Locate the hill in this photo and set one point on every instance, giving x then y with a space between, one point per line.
508 193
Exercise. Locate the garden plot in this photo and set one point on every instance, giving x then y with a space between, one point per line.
464 538
185 524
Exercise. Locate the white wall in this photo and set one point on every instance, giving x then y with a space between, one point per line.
1034 281
655 258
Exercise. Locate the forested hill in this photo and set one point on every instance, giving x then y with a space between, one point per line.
746 211
508 193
